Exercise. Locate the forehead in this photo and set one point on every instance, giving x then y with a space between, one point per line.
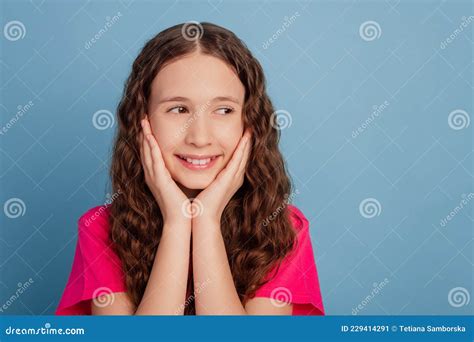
197 77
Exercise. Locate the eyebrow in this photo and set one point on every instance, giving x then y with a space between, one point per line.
185 99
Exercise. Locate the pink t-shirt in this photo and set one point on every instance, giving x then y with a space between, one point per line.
96 269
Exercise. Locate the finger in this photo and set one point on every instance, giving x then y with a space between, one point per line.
236 160
147 161
156 155
140 145
155 149
146 126
246 156
158 163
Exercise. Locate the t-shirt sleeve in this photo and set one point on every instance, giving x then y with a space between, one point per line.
296 280
96 269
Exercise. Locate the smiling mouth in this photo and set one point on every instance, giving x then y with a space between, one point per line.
197 162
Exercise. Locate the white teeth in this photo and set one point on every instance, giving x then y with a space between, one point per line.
198 161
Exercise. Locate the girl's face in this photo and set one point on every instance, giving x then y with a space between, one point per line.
195 112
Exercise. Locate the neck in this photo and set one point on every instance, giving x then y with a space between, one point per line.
190 193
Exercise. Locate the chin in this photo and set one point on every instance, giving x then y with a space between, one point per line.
197 183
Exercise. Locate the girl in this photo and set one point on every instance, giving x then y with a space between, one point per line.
200 223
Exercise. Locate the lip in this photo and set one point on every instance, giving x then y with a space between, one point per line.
194 156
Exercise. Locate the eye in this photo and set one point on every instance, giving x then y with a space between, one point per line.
225 110
178 110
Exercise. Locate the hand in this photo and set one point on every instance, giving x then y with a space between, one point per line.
215 197
172 201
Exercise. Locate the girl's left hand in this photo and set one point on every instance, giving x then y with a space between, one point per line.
213 200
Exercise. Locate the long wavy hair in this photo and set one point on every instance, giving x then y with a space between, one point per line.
254 244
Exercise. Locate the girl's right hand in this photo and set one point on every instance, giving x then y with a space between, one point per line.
172 201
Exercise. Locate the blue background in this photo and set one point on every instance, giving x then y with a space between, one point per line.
322 72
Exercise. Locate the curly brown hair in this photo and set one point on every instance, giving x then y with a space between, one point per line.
253 248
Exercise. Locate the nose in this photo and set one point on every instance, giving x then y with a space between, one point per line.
199 132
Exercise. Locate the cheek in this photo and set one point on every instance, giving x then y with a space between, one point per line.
166 134
229 143
229 137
